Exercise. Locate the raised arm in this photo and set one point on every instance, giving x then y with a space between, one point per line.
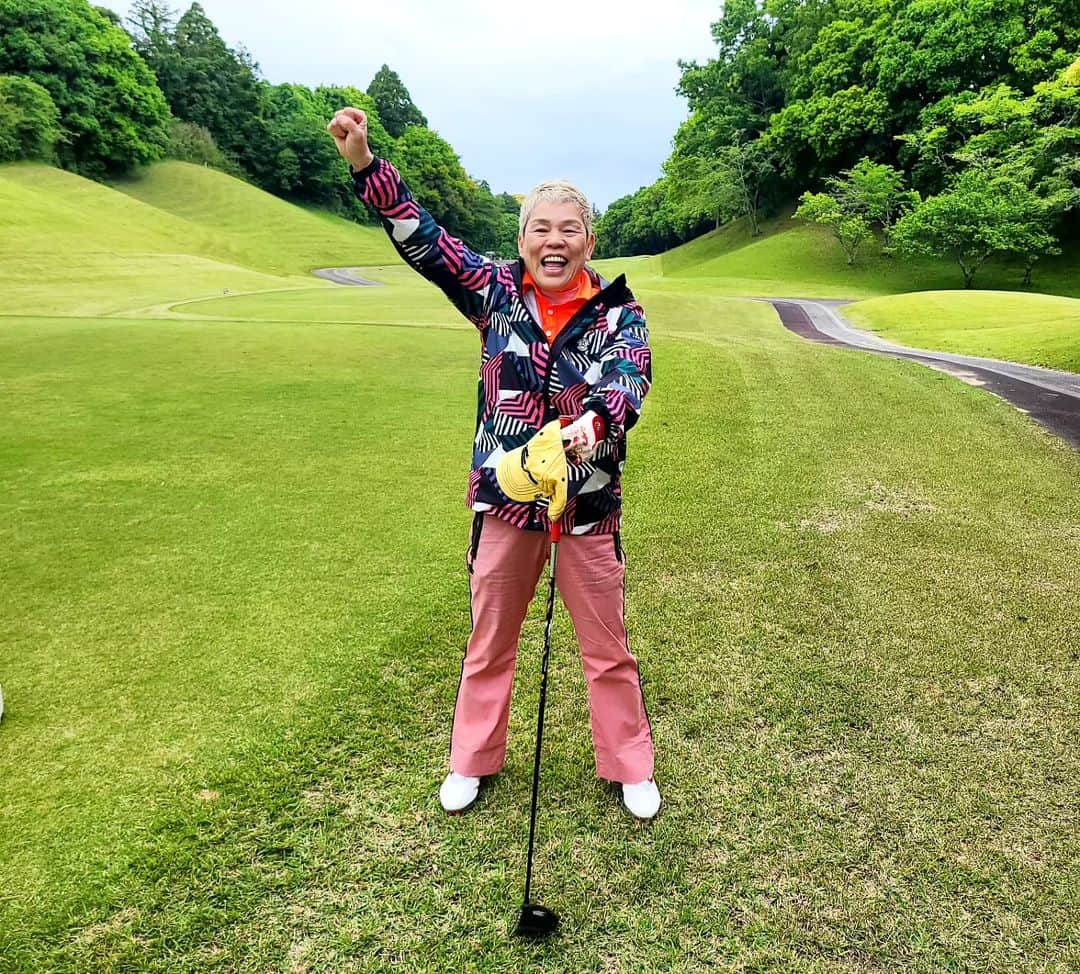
463 275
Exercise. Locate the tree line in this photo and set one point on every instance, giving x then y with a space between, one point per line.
944 127
81 89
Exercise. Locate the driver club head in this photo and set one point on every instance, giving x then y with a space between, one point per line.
536 921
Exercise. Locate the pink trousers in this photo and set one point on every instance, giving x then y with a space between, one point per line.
505 566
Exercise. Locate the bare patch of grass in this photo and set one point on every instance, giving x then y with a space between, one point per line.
864 500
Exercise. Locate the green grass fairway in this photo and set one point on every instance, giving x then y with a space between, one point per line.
235 604
1039 329
427 307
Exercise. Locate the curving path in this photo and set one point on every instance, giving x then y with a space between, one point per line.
1050 397
344 275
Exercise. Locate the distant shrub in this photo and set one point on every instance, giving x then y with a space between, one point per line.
193 143
29 121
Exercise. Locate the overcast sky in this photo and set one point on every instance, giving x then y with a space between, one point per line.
523 91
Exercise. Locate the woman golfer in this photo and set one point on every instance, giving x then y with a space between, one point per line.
558 341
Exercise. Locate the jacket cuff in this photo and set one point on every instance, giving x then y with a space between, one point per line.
360 176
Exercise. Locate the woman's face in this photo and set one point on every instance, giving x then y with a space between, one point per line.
555 245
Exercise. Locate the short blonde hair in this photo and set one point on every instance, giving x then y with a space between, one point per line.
555 191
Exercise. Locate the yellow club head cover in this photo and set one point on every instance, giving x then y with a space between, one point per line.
537 469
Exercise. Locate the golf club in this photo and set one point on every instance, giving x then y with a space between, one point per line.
537 921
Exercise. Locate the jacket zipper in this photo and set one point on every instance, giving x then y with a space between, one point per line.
567 333
561 342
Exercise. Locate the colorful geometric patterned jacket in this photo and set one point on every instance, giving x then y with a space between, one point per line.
599 361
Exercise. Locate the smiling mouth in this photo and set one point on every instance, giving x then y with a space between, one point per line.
554 265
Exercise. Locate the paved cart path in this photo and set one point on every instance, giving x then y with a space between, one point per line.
1050 397
344 275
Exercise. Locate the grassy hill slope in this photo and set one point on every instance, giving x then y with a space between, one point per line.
794 259
278 236
72 246
913 302
1039 329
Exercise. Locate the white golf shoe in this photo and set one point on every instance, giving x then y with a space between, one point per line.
458 792
642 800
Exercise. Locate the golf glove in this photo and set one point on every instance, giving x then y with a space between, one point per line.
538 469
582 435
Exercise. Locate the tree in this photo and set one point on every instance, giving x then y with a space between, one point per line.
1034 140
936 48
296 159
29 121
825 83
966 127
506 236
482 228
850 226
701 188
508 209
720 185
816 135
152 27
645 222
747 165
1071 75
983 212
942 55
743 86
466 207
114 115
205 81
434 173
876 191
394 103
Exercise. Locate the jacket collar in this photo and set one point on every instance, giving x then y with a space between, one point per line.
612 293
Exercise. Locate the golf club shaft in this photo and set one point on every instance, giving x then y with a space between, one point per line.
540 718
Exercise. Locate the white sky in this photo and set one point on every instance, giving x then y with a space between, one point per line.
523 91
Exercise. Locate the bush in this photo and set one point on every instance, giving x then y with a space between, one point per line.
29 121
193 143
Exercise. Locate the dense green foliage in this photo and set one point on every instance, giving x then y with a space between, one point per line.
980 214
295 158
727 184
29 121
645 222
394 103
114 115
818 86
848 226
276 134
75 87
206 82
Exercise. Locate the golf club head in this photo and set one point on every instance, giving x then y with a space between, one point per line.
536 922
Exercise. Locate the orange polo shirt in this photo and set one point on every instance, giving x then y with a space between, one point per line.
554 317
